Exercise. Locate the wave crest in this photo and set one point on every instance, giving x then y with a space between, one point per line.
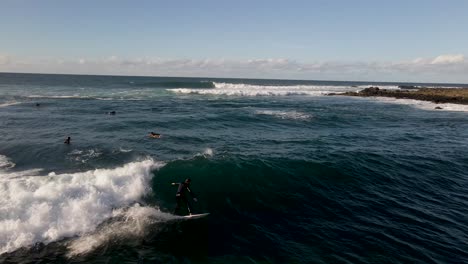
242 89
178 84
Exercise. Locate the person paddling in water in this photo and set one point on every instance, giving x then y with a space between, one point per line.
154 135
181 195
67 141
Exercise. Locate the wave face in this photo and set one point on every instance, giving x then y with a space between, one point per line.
287 175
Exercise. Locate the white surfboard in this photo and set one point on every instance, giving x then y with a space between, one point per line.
194 216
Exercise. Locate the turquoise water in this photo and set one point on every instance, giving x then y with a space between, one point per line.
288 174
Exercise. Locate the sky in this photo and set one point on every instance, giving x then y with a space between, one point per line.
359 40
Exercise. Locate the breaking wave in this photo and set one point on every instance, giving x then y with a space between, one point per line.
49 208
177 84
271 90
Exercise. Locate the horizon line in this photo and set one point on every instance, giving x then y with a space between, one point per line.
234 78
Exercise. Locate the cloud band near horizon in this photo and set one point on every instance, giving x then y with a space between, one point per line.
448 68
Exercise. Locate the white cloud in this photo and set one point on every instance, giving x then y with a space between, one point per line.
4 59
443 66
448 59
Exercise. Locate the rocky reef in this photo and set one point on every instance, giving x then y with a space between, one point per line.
436 95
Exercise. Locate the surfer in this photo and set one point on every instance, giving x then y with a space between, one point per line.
154 135
67 141
181 195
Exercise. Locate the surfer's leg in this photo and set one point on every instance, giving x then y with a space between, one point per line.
189 207
179 204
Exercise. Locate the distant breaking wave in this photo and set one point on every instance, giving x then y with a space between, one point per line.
75 96
270 90
5 104
177 84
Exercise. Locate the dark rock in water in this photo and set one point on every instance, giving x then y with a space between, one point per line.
438 107
408 87
437 95
370 91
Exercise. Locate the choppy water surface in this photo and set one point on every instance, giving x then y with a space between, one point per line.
289 175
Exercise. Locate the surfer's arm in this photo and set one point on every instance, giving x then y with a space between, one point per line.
193 195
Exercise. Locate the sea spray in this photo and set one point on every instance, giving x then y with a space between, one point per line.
6 163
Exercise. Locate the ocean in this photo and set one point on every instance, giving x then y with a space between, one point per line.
287 173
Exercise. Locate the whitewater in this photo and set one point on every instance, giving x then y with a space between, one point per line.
47 208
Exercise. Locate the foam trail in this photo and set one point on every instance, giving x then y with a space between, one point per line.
424 105
294 115
268 90
49 208
131 223
123 150
84 156
5 104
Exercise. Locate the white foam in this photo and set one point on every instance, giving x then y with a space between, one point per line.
130 223
75 96
49 208
269 90
84 155
294 115
10 103
123 150
208 152
388 87
6 163
424 105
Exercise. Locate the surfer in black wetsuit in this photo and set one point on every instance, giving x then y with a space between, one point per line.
67 141
181 195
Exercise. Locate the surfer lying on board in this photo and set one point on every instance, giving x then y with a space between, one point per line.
181 195
154 135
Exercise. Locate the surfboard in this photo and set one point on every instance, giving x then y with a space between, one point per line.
195 216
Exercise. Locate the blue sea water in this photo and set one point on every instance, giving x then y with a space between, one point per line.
289 174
